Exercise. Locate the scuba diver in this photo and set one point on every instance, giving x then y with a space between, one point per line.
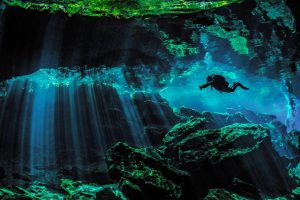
219 83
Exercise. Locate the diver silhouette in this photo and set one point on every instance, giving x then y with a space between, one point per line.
219 83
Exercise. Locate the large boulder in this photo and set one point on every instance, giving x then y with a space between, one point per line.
182 130
214 157
146 174
207 120
216 144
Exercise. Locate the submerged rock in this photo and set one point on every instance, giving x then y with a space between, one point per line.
294 139
215 158
296 192
182 130
245 189
207 120
215 145
35 191
222 194
109 194
147 174
69 189
131 190
294 172
80 190
220 155
117 8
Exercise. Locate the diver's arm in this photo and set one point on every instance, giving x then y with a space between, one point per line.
204 85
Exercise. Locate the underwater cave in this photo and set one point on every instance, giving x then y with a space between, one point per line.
149 99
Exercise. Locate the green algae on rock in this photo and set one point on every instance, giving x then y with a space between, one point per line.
79 190
146 171
35 191
74 190
277 11
295 172
181 130
177 47
296 191
121 8
218 144
221 194
237 42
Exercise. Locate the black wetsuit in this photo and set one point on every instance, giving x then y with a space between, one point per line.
219 83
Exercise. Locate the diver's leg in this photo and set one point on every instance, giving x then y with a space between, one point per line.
233 87
237 84
242 86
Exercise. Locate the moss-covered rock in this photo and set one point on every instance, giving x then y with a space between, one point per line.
182 130
215 145
294 172
221 194
35 191
296 192
69 190
238 42
201 121
220 155
121 8
132 191
278 11
147 172
80 190
177 47
110 194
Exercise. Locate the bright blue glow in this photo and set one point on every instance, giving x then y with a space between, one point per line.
265 95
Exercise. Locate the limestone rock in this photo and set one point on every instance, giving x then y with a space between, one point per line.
220 155
148 172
